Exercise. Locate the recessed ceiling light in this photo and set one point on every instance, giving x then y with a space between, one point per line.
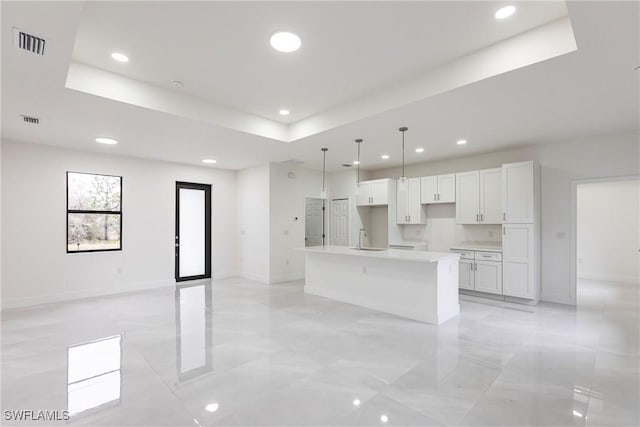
505 12
461 141
209 161
107 141
384 156
384 418
284 112
285 42
419 150
355 162
356 402
212 407
120 57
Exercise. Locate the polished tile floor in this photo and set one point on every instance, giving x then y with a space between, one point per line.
235 352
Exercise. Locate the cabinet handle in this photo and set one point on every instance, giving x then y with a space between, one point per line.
438 196
477 218
504 216
434 196
504 231
481 217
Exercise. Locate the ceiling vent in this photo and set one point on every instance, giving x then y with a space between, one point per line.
29 42
30 119
292 162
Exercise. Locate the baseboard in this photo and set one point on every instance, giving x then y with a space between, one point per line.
13 303
287 277
610 278
225 275
255 277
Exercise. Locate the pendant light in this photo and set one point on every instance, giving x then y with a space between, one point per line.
323 192
358 142
403 178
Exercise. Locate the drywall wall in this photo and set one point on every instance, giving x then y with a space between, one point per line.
253 222
608 231
288 187
561 164
342 185
37 268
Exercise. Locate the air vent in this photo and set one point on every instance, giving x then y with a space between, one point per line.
31 119
292 162
29 42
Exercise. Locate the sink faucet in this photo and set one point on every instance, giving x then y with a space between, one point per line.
360 234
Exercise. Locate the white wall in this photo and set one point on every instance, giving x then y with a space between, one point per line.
608 231
287 197
36 267
342 185
561 163
253 222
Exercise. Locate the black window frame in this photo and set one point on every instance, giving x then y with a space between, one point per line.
95 212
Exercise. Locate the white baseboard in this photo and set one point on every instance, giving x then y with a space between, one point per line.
610 278
12 303
287 277
256 277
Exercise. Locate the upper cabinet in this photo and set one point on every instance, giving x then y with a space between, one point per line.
478 197
438 189
409 208
518 193
373 193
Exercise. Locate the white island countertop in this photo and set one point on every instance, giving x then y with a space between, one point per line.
390 254
479 246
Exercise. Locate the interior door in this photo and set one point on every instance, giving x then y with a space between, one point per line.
314 222
340 222
193 231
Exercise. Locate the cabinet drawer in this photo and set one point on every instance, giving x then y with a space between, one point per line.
488 256
463 254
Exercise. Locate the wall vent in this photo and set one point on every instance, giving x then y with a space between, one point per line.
292 162
30 119
29 42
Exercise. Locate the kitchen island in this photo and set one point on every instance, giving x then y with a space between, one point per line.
418 285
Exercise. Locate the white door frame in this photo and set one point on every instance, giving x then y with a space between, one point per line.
331 200
573 262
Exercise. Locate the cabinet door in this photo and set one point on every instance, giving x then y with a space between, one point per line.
465 274
488 277
447 188
363 194
468 197
491 196
402 202
379 192
518 260
517 193
429 189
414 205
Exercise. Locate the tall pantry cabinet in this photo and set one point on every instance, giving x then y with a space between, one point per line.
521 230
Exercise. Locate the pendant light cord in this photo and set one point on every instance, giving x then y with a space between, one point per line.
403 129
358 141
324 163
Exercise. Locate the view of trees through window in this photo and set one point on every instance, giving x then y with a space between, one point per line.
94 216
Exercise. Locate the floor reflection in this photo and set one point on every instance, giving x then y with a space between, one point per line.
193 330
93 375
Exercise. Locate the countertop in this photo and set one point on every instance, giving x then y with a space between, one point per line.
479 246
390 254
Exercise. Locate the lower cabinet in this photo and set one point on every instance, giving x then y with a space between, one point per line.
519 260
480 271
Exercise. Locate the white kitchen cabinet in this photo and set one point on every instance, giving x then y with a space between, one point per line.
488 276
480 271
409 208
466 274
491 196
478 197
518 193
438 189
468 197
519 261
373 193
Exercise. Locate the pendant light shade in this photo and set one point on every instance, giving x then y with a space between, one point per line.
403 178
323 192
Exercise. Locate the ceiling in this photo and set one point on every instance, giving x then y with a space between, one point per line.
364 69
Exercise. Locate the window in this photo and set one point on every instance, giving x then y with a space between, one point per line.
94 212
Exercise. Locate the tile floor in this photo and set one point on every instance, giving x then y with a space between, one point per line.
236 352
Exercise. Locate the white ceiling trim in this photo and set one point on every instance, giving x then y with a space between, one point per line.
542 43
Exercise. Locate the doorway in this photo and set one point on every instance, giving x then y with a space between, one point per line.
193 231
340 222
607 239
